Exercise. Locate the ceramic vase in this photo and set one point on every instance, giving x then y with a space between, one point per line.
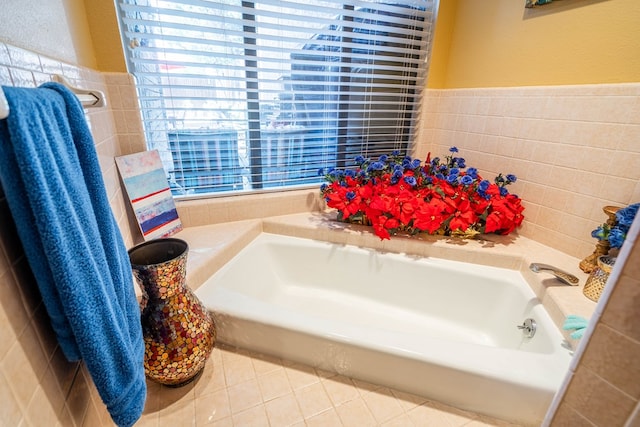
179 333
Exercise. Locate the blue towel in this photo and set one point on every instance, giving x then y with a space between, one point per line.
50 174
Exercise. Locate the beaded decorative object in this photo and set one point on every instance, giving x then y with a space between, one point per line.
598 278
179 333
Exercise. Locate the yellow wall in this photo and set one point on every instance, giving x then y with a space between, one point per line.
477 43
499 43
56 28
103 22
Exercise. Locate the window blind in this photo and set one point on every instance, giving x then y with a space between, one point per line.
252 95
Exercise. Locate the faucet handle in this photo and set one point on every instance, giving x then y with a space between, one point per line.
563 276
568 278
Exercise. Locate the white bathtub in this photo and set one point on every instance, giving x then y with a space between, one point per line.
441 329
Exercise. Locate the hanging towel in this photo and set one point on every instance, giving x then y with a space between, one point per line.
51 177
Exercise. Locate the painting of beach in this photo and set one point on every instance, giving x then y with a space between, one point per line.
148 191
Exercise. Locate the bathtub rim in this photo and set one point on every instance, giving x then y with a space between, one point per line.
212 245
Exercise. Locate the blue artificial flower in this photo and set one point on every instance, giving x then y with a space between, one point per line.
410 180
350 195
375 166
616 237
395 153
415 164
511 178
359 160
323 187
626 215
599 233
383 158
452 179
439 176
406 163
503 191
472 172
397 174
466 180
460 162
484 185
484 195
454 171
336 173
350 172
453 149
320 171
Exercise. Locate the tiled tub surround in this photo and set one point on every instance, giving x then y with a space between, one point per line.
574 150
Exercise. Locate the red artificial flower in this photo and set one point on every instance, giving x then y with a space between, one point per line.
429 216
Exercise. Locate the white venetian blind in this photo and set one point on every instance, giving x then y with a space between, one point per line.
252 95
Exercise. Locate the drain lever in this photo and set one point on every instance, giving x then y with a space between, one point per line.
528 328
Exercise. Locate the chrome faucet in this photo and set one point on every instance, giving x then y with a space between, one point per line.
563 276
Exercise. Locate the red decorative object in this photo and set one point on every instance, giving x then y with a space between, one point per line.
179 333
399 194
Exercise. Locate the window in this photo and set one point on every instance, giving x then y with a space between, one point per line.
252 95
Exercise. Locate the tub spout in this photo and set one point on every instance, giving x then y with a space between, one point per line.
563 276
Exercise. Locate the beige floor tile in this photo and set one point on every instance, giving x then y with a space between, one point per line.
301 376
274 384
212 407
283 411
355 413
383 404
181 412
211 380
407 400
237 368
400 421
340 389
439 415
225 422
264 364
244 396
313 400
327 418
241 389
253 417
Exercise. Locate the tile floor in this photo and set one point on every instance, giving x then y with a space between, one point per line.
241 388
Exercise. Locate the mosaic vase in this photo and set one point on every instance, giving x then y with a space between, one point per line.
178 331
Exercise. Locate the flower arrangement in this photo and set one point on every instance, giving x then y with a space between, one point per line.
396 193
617 233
